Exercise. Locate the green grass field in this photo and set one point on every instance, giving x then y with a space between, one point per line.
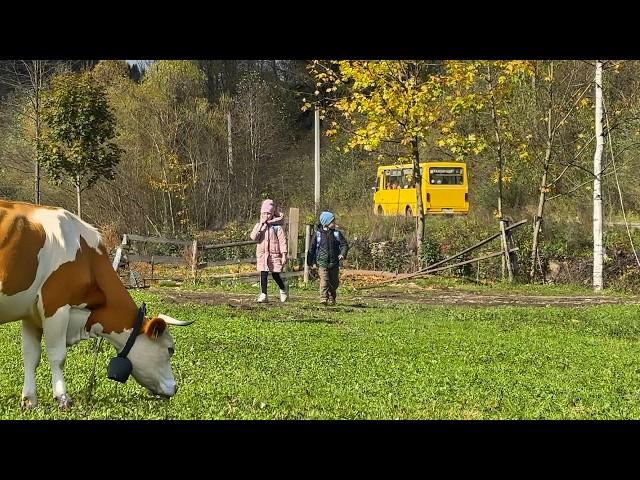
360 361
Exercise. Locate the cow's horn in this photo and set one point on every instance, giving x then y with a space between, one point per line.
173 321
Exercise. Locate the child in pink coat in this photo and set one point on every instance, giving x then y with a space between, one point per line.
271 250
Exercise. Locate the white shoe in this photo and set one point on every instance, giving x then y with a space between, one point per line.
283 296
262 298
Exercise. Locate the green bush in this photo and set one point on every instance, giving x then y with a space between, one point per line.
628 280
391 256
360 254
431 251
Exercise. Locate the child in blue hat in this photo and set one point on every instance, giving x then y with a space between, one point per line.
328 247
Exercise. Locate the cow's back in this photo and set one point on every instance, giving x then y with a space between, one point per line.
34 242
20 242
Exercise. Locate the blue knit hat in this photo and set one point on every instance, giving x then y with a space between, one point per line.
326 218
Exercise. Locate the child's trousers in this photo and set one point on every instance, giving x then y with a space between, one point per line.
329 282
263 281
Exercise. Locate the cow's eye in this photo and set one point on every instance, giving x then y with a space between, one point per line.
171 351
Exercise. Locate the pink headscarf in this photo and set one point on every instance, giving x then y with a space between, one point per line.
267 206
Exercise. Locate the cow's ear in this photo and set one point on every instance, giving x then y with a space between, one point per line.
154 327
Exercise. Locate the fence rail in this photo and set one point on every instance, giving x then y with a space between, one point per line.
124 254
621 224
213 246
141 238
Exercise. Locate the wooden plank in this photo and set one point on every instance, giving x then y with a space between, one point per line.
486 240
219 263
212 246
256 274
491 255
294 218
239 275
429 272
379 273
622 224
175 279
141 238
166 259
517 224
156 259
248 279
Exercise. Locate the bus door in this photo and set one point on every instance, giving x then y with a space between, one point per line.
392 189
446 190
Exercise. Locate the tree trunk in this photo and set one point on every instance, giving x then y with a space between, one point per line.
229 143
37 169
230 175
597 185
496 126
79 208
207 195
250 187
27 78
417 175
170 203
37 86
537 223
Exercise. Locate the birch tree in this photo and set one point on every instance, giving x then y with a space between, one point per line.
597 183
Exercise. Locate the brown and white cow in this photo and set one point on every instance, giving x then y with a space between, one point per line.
55 276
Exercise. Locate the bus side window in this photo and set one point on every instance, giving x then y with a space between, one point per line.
407 178
392 179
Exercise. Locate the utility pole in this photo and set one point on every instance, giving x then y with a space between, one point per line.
317 162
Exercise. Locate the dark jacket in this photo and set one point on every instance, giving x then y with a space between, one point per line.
325 253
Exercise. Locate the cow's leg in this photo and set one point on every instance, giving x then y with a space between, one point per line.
31 351
55 335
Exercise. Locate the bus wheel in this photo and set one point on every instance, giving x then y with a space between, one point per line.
380 211
408 213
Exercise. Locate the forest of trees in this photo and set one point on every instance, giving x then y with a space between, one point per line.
194 146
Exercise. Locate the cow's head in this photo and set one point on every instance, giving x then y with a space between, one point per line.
150 356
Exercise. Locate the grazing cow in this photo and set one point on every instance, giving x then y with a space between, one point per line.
56 277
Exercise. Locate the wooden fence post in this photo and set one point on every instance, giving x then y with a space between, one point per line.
294 219
505 249
118 256
513 257
194 260
307 241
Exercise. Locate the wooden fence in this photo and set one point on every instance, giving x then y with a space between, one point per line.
507 252
193 252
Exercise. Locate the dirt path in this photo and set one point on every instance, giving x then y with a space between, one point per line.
421 297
